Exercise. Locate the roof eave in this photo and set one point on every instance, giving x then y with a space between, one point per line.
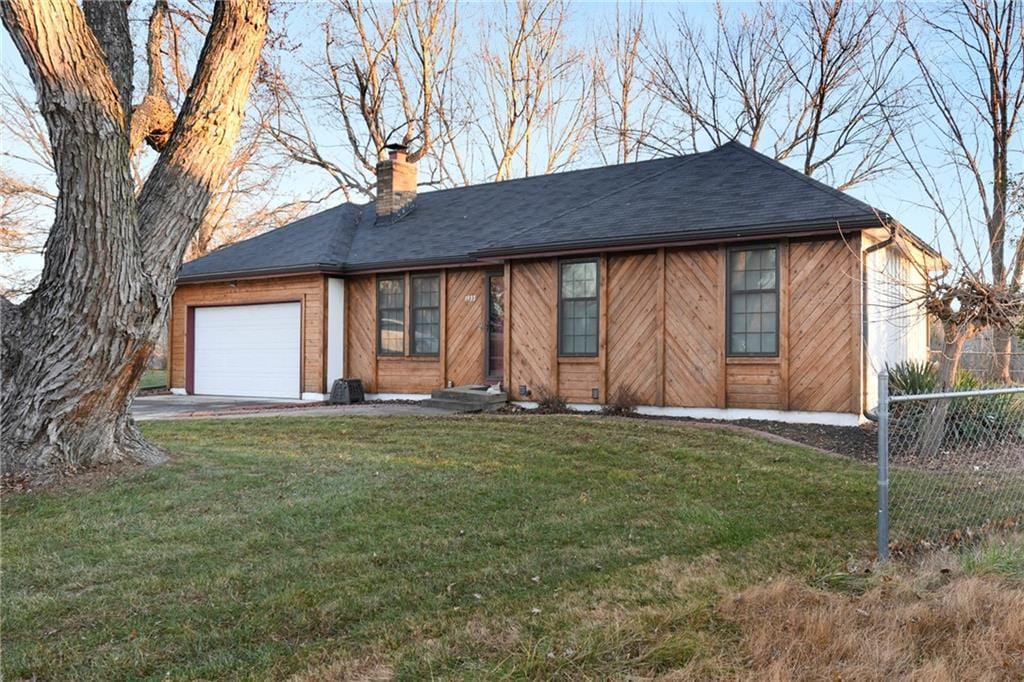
263 273
733 233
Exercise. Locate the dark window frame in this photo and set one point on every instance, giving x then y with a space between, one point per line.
413 308
729 292
596 298
380 346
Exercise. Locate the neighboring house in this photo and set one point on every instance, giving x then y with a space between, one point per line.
720 284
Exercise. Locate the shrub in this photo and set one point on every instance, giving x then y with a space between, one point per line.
620 403
985 420
550 402
910 377
969 422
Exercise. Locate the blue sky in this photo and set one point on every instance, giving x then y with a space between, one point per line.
897 193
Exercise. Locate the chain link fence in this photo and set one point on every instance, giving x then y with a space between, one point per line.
950 467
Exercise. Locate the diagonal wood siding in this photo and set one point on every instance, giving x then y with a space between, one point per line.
532 332
824 335
360 330
467 326
694 333
633 327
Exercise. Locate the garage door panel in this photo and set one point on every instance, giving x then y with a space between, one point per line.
249 350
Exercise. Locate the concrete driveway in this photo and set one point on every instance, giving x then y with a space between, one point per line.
149 407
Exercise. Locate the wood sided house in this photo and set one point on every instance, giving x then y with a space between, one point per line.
720 284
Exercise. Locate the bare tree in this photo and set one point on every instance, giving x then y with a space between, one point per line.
249 199
970 58
380 76
625 112
533 83
818 82
74 351
726 85
26 195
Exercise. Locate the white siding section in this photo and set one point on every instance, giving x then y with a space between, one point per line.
335 331
248 350
897 325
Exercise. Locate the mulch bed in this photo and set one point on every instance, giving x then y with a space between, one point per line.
859 442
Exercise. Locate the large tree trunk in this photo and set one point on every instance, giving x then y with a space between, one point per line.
1002 358
933 426
74 351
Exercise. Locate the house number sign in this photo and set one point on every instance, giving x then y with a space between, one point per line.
470 298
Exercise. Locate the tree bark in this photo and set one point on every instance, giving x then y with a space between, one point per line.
1002 342
933 427
74 351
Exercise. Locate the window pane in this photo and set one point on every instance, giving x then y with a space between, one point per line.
753 301
391 315
578 319
426 292
391 337
426 314
579 280
391 293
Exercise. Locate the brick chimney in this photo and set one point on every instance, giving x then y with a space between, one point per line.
396 182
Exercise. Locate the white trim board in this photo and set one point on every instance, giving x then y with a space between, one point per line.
335 329
178 391
397 396
315 397
728 414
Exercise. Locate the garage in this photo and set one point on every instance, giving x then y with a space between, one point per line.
246 350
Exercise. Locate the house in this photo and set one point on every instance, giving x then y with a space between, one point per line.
720 284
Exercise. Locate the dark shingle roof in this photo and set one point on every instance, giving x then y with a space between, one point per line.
319 241
728 192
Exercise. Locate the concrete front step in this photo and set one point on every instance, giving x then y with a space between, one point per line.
465 399
459 406
475 395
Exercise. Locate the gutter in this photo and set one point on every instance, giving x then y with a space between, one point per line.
732 233
865 327
262 273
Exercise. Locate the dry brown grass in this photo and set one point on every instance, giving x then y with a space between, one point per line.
368 669
932 624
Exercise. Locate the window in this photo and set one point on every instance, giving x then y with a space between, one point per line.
754 301
577 308
426 314
391 315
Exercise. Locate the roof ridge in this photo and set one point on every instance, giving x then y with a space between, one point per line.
563 172
347 219
816 184
679 159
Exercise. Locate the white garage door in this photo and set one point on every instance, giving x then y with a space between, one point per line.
248 350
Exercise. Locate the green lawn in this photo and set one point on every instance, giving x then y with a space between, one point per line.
154 378
543 547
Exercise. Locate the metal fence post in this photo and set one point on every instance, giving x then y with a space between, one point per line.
883 465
